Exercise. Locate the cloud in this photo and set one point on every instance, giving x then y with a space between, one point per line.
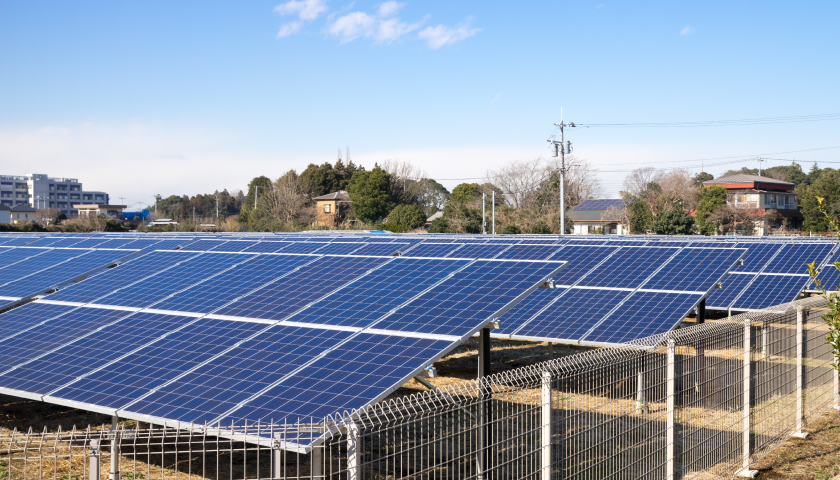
352 26
389 8
389 30
289 29
496 98
688 30
600 5
307 10
442 35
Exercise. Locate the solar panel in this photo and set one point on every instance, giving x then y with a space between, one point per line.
339 248
733 285
132 376
829 278
382 249
27 316
643 314
268 247
479 251
769 290
310 282
691 269
758 255
581 259
303 247
234 246
12 255
628 267
794 258
167 282
470 295
434 250
602 204
529 252
206 296
383 289
35 263
127 273
203 245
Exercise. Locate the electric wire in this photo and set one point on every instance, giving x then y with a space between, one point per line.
722 123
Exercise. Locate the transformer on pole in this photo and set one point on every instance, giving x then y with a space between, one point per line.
561 147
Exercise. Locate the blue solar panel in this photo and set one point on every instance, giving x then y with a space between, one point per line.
458 304
694 269
359 371
16 254
733 285
137 374
116 243
37 263
27 316
83 355
603 204
529 252
108 280
227 286
309 283
203 245
481 251
89 243
581 259
770 290
794 257
573 314
372 296
234 246
161 245
60 273
435 250
17 241
382 249
303 247
339 248
220 384
53 334
527 308
628 267
642 315
829 278
167 282
268 247
758 255
43 242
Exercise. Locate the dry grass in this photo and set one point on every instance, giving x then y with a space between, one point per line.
816 457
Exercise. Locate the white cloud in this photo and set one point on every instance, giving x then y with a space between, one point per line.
688 30
442 35
307 10
352 26
600 5
289 29
389 8
389 30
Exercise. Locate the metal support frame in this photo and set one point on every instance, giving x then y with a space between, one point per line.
700 352
764 350
354 465
486 413
800 347
546 426
114 474
670 417
747 394
641 399
277 459
316 459
95 454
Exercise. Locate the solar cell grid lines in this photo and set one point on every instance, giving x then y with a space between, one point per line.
795 257
214 292
49 335
267 247
167 282
359 371
572 314
602 204
364 301
203 245
302 247
382 249
35 263
234 246
469 296
82 356
217 386
309 283
691 269
130 377
580 259
26 316
339 248
9 256
628 267
643 314
529 252
758 255
434 250
769 290
478 251
732 285
127 273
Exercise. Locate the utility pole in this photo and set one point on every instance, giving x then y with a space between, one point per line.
483 213
157 197
193 213
759 165
217 206
122 200
256 195
562 147
493 207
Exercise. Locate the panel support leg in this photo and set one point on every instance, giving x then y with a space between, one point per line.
95 455
747 393
546 426
317 461
485 396
277 465
670 417
114 474
700 351
354 453
800 346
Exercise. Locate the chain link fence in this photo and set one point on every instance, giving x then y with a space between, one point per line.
705 401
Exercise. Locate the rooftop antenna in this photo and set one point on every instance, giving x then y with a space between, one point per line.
561 147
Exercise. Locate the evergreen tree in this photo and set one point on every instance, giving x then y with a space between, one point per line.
712 199
674 221
370 193
827 186
640 217
320 180
408 216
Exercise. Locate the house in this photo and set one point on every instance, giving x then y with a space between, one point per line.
332 207
434 217
162 221
772 202
606 215
22 213
5 214
112 211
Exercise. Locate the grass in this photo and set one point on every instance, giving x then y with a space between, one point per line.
814 458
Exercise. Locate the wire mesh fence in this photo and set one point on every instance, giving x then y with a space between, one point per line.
705 401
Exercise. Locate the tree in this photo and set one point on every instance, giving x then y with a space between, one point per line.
731 219
826 186
47 215
702 177
408 216
640 180
344 173
287 201
712 199
370 193
540 229
320 180
674 221
259 186
439 225
640 218
433 196
511 230
465 192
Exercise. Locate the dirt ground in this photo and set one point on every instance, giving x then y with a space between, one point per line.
814 458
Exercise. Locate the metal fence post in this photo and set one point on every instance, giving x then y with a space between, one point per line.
354 466
114 474
277 469
800 313
764 353
670 431
317 460
745 468
95 455
546 426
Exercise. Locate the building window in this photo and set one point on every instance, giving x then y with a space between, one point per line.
99 197
75 188
327 208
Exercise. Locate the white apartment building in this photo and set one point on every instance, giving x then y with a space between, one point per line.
40 191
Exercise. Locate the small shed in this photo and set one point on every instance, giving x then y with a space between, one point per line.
22 213
332 207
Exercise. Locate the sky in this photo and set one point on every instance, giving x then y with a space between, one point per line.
187 97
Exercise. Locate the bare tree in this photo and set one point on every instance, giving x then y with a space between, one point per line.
678 184
582 181
406 180
639 179
730 218
46 215
780 175
519 179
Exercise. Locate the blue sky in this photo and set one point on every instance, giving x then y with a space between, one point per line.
138 98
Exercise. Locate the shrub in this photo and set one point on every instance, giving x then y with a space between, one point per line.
511 230
409 216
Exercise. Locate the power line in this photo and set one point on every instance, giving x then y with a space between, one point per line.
723 123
